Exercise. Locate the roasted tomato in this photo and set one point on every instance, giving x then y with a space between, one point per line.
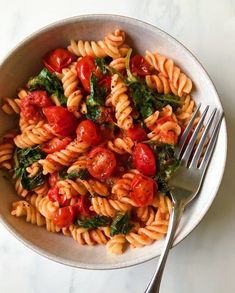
140 66
85 67
53 179
106 82
101 162
137 133
57 59
54 195
31 105
88 132
64 217
82 206
144 160
56 144
61 120
143 190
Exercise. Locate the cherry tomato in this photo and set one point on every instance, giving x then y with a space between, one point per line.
56 144
57 59
106 133
64 216
54 195
137 133
31 105
106 115
88 132
61 120
53 179
140 66
106 82
101 162
144 159
143 190
82 206
169 137
85 67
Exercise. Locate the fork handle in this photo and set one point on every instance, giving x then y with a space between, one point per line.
177 211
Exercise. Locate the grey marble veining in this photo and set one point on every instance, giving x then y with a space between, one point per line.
205 261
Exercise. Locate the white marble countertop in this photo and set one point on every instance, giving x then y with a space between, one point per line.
205 261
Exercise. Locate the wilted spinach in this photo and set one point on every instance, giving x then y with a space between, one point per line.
49 82
94 222
121 224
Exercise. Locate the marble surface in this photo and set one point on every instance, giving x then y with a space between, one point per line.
205 261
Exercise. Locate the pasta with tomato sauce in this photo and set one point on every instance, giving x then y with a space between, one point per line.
94 149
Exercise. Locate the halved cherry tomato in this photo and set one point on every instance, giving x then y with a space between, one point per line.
31 105
101 162
61 120
140 66
88 132
54 195
144 159
57 59
85 67
168 137
107 114
106 82
82 206
64 216
143 190
56 144
53 179
137 133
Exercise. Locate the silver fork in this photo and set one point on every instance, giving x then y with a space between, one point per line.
186 182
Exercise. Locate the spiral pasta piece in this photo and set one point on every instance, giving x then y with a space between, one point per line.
33 169
31 137
98 187
178 80
23 208
46 207
121 103
160 83
152 119
110 46
107 207
116 244
20 189
42 189
166 128
123 186
118 64
121 145
154 231
11 106
146 214
6 154
54 162
51 227
71 188
79 164
71 91
90 237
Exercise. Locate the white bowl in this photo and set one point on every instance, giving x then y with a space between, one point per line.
25 61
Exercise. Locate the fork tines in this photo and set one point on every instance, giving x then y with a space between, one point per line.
192 155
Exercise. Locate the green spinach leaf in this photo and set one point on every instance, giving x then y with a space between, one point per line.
26 157
49 82
96 99
30 183
120 224
167 164
94 222
82 174
100 62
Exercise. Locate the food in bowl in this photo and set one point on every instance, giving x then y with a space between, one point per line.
94 146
